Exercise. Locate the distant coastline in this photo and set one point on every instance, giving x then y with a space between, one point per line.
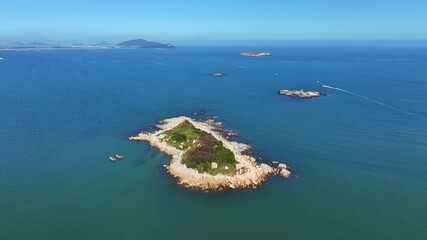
136 43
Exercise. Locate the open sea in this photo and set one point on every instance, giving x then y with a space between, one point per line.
360 153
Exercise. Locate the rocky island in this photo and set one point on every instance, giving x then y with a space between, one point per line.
202 158
301 93
219 74
255 54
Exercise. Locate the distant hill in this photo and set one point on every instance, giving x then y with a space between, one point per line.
28 45
38 44
141 43
102 44
136 43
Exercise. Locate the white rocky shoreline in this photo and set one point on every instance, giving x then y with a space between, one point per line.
249 173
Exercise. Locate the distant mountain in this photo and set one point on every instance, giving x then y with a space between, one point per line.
38 44
28 45
137 43
14 44
102 44
141 43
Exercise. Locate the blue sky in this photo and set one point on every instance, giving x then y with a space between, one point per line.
220 20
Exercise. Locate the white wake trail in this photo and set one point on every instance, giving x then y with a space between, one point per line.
377 102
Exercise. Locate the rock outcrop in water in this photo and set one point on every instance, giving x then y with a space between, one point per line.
301 93
219 74
201 111
255 54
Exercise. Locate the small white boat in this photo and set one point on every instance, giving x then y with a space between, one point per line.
112 158
1 58
119 156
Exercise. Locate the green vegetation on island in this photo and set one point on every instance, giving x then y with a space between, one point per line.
203 151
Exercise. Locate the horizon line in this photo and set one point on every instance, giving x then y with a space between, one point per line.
225 41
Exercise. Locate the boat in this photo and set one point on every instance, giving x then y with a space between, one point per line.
119 156
112 158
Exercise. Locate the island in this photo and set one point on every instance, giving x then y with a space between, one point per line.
255 54
203 159
141 43
219 74
301 93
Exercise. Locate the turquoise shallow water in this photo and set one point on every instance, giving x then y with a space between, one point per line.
361 164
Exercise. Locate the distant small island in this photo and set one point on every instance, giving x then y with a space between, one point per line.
219 75
204 159
255 54
301 93
141 43
136 43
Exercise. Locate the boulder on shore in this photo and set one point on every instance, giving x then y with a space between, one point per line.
282 166
285 173
266 169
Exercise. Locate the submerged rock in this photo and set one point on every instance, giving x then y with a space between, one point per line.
216 124
232 134
201 111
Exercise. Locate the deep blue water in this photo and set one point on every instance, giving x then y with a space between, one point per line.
360 159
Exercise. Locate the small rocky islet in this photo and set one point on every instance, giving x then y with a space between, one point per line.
204 159
301 93
255 54
218 74
115 157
